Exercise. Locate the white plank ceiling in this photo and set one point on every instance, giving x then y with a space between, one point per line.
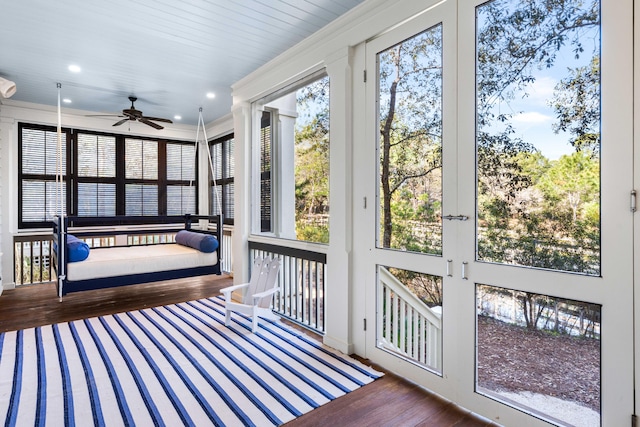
167 53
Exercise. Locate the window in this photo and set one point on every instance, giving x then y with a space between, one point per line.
293 168
410 148
96 175
221 183
141 177
538 181
104 175
38 198
265 172
181 175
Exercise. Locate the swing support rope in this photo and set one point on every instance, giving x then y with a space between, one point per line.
59 199
204 140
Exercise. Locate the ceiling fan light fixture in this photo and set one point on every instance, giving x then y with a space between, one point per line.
7 88
134 114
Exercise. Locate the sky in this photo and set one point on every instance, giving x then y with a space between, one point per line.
532 117
533 120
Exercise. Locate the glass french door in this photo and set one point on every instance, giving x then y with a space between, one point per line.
498 257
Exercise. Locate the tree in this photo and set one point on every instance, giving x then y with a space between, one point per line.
410 77
576 102
516 40
312 160
572 182
532 306
425 286
312 170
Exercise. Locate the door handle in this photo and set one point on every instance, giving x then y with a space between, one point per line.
464 270
449 265
456 217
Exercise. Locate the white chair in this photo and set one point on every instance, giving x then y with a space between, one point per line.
258 293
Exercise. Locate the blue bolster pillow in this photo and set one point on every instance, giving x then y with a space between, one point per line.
77 250
200 241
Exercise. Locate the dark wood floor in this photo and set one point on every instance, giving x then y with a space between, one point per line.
388 401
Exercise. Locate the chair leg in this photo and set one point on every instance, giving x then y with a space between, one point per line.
227 318
254 322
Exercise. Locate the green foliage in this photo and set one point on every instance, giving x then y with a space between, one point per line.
410 114
577 106
312 233
533 211
425 286
312 161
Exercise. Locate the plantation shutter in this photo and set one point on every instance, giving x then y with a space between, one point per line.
265 172
216 179
96 171
37 180
228 185
141 176
223 163
181 175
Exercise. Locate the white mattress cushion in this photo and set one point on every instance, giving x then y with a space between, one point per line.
122 261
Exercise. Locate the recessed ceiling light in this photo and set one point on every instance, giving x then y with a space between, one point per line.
177 117
74 68
66 101
211 95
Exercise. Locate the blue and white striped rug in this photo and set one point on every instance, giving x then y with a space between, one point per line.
171 365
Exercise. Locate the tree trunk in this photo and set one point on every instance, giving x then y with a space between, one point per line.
387 226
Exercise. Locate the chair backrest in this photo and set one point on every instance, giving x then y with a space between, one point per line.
263 277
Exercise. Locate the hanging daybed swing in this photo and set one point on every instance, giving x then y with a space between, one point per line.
196 250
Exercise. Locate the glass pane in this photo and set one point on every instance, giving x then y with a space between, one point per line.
540 354
180 162
265 172
311 162
96 199
41 200
538 134
410 120
230 159
150 159
410 315
294 161
96 155
141 159
216 161
40 152
106 156
133 159
141 199
228 200
181 199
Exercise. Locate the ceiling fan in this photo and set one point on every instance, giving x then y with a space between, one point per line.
136 115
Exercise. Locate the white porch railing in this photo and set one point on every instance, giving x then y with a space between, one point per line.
406 325
302 279
227 249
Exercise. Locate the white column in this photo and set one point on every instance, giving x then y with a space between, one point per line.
242 194
283 166
339 298
8 198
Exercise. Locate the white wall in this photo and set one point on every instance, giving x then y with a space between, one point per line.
3 190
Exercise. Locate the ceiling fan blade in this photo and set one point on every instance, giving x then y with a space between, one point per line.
147 122
157 119
120 122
